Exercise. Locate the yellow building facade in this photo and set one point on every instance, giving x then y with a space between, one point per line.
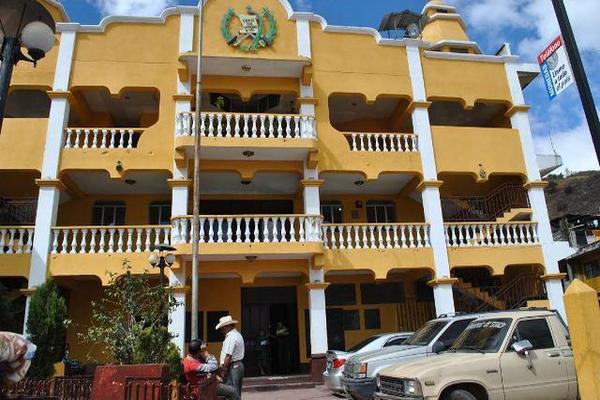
350 184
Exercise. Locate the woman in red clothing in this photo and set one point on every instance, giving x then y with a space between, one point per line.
199 363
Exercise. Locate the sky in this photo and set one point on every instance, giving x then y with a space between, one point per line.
528 25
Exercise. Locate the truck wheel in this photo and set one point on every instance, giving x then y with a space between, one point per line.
460 394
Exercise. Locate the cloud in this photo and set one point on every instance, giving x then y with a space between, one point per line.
132 7
574 145
304 5
535 20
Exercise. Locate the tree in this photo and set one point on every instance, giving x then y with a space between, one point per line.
46 326
130 322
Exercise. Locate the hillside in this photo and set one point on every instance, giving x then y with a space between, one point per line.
575 194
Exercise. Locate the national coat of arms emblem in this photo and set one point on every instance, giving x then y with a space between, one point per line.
257 29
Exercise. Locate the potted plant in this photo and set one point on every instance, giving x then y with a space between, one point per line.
130 323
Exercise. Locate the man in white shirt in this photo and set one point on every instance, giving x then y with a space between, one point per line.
232 353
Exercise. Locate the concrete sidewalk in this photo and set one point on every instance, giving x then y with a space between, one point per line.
318 393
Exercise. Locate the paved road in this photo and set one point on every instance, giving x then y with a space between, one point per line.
318 393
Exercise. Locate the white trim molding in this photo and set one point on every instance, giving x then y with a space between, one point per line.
432 207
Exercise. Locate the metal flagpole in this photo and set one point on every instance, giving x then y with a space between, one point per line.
579 72
196 217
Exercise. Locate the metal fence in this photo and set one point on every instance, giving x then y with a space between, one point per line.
60 388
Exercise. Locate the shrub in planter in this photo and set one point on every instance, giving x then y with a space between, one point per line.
46 326
130 321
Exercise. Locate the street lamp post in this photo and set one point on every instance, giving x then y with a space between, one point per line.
23 23
162 260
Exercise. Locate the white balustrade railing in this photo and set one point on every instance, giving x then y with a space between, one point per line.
16 239
375 236
249 229
101 138
491 234
383 142
109 239
238 125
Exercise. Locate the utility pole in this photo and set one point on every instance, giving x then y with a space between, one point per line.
196 216
579 72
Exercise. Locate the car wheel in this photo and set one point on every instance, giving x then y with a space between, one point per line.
460 394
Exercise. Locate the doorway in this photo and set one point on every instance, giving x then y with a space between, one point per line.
270 330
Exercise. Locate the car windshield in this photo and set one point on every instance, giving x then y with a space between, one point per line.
362 344
484 336
425 335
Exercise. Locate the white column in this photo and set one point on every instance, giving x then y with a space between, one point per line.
49 193
432 208
177 316
179 184
535 190
317 312
312 202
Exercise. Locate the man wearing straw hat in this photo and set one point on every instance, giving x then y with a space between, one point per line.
232 353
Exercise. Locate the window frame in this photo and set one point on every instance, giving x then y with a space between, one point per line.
160 204
389 209
331 205
103 206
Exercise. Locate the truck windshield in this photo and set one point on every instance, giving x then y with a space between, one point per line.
484 336
426 334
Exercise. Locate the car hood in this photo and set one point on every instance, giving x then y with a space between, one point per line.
387 353
434 365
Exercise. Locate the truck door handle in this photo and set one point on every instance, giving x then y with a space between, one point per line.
553 354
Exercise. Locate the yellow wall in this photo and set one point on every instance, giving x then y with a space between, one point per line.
407 209
22 143
466 80
583 314
462 149
78 211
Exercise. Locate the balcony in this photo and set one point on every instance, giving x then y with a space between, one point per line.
383 142
491 234
262 136
107 239
16 239
244 125
101 138
375 236
249 229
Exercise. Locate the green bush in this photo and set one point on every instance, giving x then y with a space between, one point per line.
130 321
46 326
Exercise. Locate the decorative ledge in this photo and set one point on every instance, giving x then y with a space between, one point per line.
51 183
312 182
425 184
535 184
317 286
418 104
184 97
442 281
515 109
172 183
553 277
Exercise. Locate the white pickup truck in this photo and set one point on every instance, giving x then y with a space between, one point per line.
513 355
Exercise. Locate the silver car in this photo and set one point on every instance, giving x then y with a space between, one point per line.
337 358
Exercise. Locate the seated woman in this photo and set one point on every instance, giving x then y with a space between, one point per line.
199 363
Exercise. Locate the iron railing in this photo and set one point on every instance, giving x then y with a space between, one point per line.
513 295
485 208
59 388
17 211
